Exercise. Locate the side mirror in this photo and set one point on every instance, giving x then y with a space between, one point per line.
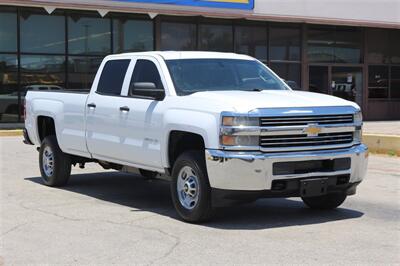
148 89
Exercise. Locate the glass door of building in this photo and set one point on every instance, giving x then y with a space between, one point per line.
344 82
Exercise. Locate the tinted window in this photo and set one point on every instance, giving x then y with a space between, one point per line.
178 36
320 44
251 41
290 72
395 82
8 88
42 70
194 75
378 81
215 38
36 40
145 72
285 43
88 35
8 32
81 71
132 35
112 77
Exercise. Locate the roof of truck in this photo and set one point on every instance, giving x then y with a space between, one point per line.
171 55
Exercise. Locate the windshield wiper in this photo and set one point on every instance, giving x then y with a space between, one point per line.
256 89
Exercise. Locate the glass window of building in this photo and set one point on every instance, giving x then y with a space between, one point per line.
8 31
285 43
320 44
291 73
88 35
9 110
252 41
394 46
34 39
178 36
378 81
40 72
377 43
81 71
395 82
132 35
215 38
348 45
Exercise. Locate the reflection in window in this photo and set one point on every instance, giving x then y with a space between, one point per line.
132 35
251 41
395 82
9 109
39 71
334 45
394 44
88 35
348 45
320 43
81 71
42 33
8 32
178 36
215 38
284 43
378 77
291 73
377 42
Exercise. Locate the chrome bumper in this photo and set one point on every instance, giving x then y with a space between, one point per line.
252 171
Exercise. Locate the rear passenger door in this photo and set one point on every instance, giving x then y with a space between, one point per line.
103 111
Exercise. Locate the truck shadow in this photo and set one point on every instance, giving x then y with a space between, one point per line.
154 196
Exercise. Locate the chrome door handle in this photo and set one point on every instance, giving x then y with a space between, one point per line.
124 109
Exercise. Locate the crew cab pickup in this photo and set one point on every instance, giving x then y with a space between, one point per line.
221 127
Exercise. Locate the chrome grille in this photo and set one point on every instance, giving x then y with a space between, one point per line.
305 120
304 142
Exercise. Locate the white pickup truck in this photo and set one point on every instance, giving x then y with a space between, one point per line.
222 127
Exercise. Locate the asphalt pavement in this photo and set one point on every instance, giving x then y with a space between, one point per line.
106 217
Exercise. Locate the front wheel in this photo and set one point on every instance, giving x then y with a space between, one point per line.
55 166
190 188
325 202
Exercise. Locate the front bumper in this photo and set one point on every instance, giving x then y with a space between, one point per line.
253 171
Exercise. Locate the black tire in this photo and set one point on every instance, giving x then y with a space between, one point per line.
202 210
325 202
148 174
61 170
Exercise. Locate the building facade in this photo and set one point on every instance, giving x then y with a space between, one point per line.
349 50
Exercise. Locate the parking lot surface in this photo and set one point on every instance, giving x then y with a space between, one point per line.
105 217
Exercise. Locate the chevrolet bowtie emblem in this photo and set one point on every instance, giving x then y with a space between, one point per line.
312 130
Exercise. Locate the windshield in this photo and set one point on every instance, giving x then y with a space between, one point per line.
194 75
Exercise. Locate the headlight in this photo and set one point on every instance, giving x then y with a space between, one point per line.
238 121
358 117
227 140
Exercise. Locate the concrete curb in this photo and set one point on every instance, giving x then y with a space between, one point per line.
11 133
377 143
384 144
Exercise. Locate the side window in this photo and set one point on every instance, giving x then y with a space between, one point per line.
112 77
145 79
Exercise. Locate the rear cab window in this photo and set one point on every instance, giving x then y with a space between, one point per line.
112 77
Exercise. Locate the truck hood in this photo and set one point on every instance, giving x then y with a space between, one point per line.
245 101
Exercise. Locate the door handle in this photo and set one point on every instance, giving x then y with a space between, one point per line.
124 109
91 105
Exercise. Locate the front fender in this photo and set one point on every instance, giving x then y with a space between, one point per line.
204 124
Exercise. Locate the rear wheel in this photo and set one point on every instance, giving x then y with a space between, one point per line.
55 166
190 188
325 202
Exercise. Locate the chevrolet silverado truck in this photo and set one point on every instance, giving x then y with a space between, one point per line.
221 127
